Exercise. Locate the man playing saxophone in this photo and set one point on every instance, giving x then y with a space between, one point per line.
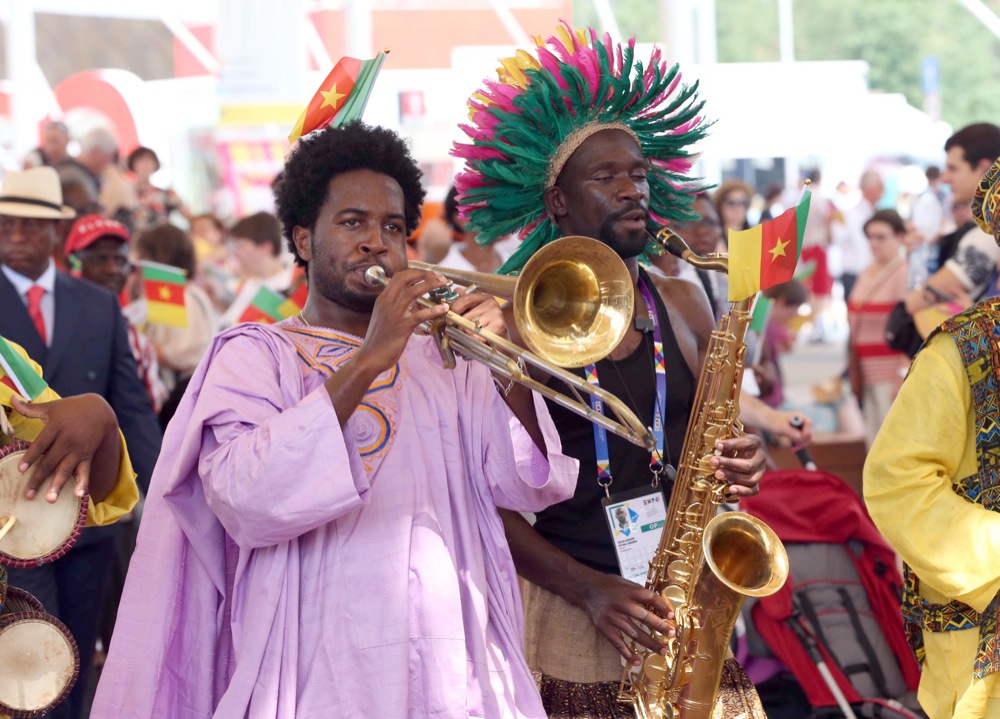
577 140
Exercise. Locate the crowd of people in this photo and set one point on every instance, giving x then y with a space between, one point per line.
335 524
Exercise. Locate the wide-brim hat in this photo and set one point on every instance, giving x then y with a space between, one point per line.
34 193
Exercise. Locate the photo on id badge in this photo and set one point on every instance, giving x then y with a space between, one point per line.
625 520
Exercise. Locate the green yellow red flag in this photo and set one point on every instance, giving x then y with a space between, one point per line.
766 255
294 304
341 97
263 307
164 289
18 374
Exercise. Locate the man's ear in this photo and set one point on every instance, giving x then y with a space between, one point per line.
983 165
302 238
555 202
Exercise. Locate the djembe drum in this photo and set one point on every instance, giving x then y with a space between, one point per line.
39 660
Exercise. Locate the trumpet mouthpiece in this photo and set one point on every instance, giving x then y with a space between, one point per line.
375 276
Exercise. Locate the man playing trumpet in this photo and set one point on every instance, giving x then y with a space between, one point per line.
321 537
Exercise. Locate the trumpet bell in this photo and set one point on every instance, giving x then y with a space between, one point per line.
573 301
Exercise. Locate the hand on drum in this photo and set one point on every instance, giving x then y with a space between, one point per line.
740 463
75 428
620 608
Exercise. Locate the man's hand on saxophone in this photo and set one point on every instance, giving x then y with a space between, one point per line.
620 608
741 463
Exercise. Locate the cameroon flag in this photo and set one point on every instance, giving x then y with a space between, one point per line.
164 289
342 96
766 255
295 303
264 307
18 374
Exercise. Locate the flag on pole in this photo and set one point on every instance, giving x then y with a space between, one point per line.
19 375
766 255
294 304
264 307
164 289
341 97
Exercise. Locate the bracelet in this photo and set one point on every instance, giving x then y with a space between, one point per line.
504 390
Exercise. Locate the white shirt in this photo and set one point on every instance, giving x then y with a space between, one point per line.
856 253
48 304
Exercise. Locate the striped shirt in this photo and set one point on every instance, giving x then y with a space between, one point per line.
868 310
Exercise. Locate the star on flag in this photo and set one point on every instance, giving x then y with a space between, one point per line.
778 250
341 97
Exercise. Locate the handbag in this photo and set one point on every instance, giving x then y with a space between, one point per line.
901 333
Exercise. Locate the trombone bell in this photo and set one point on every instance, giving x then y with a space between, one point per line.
573 301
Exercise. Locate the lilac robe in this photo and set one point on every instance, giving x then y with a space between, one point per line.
288 568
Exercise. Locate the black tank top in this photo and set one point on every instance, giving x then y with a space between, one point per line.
577 526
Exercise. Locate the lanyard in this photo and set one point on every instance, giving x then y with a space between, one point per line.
600 434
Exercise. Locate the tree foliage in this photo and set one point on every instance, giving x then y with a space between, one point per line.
892 36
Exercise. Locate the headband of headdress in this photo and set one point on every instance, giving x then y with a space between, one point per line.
525 125
986 202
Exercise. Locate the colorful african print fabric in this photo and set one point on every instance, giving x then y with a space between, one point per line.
977 335
986 202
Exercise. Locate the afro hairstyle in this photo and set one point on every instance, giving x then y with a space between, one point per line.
317 158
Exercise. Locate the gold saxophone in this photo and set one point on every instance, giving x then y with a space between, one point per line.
706 563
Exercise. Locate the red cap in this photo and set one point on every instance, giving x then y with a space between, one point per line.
87 230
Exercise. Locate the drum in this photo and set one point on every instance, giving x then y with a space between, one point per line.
19 601
42 531
39 663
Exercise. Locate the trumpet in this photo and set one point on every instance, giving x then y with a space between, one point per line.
572 304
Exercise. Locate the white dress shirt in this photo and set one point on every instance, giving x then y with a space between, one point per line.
48 304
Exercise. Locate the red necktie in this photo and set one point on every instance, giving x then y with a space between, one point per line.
35 294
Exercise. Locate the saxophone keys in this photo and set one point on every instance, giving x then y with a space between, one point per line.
655 668
673 594
679 573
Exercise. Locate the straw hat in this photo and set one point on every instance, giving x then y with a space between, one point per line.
35 193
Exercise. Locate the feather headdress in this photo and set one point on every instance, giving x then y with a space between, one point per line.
525 125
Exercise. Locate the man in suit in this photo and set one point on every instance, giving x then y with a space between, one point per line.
76 331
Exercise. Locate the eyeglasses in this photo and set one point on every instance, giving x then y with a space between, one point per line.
737 203
91 257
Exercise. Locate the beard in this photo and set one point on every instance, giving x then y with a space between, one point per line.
332 283
625 244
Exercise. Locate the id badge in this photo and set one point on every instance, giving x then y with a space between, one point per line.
635 520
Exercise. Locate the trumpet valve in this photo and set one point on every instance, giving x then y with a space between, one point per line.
446 294
443 342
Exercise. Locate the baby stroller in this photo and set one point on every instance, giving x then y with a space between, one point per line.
836 624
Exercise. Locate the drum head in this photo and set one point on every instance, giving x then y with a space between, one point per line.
43 531
39 663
